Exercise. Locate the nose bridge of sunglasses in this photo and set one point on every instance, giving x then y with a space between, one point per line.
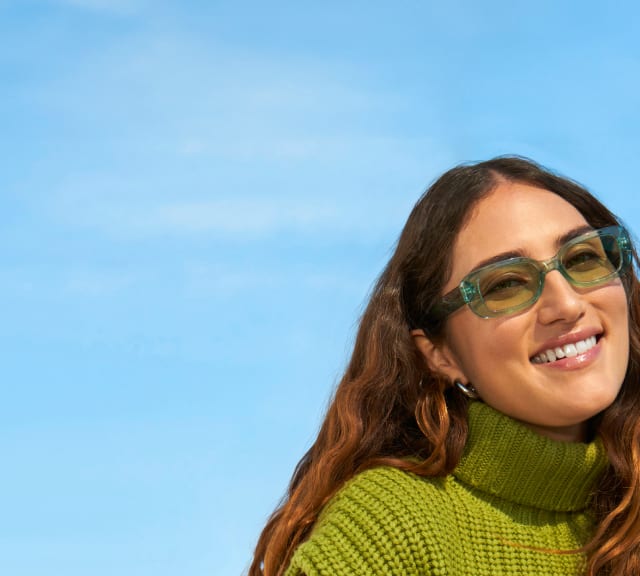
547 266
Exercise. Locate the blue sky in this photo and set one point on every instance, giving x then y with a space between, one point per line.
196 198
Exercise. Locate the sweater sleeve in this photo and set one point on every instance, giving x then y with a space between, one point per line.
371 527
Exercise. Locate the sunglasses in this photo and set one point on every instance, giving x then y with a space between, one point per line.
514 284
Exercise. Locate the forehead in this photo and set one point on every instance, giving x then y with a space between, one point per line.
513 217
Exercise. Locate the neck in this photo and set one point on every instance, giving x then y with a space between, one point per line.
572 433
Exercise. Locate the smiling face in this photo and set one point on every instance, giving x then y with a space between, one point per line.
515 361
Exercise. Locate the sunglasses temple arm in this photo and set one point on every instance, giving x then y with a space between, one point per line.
447 305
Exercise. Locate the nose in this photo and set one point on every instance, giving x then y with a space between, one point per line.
559 301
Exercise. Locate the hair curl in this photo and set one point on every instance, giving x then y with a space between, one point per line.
390 409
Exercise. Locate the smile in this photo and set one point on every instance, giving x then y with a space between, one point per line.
566 351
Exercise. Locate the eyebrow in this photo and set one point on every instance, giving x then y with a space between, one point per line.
560 240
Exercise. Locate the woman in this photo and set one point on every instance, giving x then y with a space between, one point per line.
488 421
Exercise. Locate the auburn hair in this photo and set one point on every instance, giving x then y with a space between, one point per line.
390 409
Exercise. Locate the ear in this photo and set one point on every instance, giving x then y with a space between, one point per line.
439 357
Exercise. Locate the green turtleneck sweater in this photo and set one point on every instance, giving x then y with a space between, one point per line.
517 503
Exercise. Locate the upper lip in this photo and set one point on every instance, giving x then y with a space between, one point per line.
565 339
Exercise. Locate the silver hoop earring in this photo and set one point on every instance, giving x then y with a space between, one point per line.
467 389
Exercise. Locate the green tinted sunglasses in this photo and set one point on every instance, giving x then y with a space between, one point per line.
514 284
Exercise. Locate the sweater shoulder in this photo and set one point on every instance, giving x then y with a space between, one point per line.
373 525
383 491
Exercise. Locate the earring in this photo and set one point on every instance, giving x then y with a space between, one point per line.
467 389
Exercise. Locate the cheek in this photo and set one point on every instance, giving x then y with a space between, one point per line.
614 307
621 325
480 345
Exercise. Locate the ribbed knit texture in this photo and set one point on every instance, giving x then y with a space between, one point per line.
514 502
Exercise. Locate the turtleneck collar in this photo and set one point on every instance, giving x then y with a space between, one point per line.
507 459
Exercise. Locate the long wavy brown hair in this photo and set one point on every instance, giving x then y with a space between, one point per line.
389 409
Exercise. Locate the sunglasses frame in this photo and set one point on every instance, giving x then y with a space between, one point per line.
468 291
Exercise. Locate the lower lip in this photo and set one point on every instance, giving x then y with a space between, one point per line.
575 362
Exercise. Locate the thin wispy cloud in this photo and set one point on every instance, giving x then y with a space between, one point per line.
97 282
334 206
224 99
120 7
256 216
207 279
299 128
244 219
259 144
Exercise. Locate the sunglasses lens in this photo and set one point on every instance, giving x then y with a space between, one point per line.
592 260
508 287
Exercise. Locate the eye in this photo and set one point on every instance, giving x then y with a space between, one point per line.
584 257
503 285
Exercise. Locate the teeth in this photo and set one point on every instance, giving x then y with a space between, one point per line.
566 351
570 350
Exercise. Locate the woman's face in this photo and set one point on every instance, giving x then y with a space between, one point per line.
496 354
